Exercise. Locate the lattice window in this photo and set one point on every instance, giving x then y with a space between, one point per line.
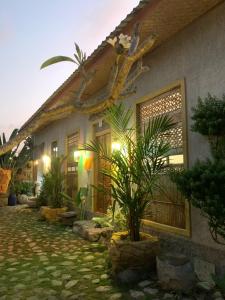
167 103
168 206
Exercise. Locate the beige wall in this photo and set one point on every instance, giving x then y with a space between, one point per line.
196 55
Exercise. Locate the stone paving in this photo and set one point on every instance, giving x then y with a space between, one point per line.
42 261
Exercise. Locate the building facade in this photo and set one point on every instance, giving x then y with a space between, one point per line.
187 63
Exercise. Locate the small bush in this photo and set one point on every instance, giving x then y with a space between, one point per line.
209 116
53 185
204 183
204 186
24 187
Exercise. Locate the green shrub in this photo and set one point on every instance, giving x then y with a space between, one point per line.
42 199
79 201
114 218
209 116
204 183
24 187
209 120
53 185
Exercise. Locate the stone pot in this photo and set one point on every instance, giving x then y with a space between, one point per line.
5 177
51 214
133 261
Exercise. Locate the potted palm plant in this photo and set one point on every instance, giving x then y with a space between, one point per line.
136 166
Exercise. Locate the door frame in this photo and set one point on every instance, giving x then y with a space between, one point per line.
94 177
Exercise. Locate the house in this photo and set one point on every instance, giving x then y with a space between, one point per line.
185 60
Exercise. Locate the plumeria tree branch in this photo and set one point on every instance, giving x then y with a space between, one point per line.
128 51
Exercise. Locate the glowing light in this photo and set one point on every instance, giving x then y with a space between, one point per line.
88 163
176 159
36 162
116 146
76 155
47 162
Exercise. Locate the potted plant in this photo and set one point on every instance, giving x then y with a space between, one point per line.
136 166
51 191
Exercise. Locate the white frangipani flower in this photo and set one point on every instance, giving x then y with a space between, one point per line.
125 40
112 41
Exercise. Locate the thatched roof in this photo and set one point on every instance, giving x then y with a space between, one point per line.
164 18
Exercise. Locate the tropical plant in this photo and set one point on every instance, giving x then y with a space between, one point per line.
79 200
114 218
16 158
42 199
24 187
53 184
136 166
203 183
79 58
7 160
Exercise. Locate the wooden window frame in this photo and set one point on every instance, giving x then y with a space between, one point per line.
163 227
94 134
56 152
77 131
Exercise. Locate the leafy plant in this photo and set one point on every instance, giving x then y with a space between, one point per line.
16 158
220 283
136 166
42 199
102 222
53 184
79 200
203 184
209 120
114 218
79 58
24 187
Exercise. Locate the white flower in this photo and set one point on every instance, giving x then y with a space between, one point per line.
112 41
125 40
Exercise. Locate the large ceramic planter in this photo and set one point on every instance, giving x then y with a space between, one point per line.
51 214
5 177
130 260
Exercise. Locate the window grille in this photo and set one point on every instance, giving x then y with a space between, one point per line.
168 205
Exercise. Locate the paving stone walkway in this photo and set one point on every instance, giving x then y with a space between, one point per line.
39 261
42 261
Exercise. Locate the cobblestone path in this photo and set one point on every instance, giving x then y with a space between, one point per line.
42 261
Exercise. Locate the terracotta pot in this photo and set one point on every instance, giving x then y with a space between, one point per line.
51 214
5 177
139 257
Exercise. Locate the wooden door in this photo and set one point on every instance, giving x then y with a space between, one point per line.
102 199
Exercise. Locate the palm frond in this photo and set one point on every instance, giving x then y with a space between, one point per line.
119 119
56 59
